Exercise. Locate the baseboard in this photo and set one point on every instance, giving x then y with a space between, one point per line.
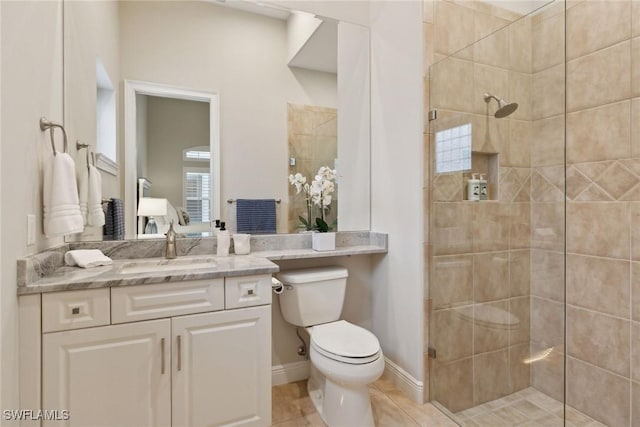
290 372
404 381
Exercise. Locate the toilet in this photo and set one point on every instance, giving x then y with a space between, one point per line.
345 358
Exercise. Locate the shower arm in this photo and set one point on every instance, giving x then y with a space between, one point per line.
487 97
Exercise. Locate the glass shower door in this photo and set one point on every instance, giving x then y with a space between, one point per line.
497 219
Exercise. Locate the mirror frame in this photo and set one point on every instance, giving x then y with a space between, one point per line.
132 88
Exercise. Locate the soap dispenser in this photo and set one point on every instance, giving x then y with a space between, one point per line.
473 188
223 240
483 187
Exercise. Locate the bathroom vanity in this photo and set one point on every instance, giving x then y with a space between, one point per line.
153 342
178 353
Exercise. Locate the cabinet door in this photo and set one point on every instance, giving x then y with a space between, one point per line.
110 375
222 368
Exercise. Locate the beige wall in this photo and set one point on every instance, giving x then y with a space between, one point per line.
31 57
254 86
603 210
172 126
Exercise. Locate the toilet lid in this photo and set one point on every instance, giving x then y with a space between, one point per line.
345 339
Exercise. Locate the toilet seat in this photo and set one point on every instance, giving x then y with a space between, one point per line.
345 342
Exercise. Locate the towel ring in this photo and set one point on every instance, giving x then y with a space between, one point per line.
80 146
46 124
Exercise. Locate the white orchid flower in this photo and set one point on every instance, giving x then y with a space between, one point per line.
299 181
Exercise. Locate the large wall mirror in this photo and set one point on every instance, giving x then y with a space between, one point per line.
203 103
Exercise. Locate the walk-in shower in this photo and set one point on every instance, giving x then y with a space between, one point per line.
496 267
534 290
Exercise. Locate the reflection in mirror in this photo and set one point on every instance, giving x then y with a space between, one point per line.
313 143
173 161
172 152
259 60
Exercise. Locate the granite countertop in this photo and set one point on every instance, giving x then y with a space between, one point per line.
140 262
72 278
287 254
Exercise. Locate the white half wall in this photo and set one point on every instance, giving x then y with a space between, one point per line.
396 179
354 154
91 34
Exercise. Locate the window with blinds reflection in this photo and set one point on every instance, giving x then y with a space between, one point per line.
197 191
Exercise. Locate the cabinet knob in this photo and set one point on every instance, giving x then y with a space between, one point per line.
250 292
75 310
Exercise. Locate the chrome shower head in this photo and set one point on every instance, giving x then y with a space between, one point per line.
504 108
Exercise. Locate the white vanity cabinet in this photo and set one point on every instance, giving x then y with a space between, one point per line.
154 363
109 375
221 371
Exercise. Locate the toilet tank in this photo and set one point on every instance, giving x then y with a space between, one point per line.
313 295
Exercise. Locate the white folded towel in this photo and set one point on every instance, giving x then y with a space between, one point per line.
86 258
96 213
61 205
83 193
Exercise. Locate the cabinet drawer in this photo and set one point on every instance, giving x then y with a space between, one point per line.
62 311
246 291
133 303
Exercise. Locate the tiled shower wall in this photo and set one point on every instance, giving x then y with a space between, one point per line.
313 142
479 252
603 210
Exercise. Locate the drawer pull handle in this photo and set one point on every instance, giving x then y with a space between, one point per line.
75 310
179 353
162 357
250 292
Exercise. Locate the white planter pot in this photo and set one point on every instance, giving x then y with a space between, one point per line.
323 241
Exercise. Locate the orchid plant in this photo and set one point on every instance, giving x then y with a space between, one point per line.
318 193
321 188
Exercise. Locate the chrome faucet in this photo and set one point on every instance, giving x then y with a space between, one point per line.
170 249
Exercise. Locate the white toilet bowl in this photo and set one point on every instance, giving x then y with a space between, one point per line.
345 358
348 358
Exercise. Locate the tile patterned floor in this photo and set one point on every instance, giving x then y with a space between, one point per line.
292 407
526 408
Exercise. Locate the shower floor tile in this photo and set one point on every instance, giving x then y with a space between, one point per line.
526 408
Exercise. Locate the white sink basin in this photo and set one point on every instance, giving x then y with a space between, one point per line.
167 265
